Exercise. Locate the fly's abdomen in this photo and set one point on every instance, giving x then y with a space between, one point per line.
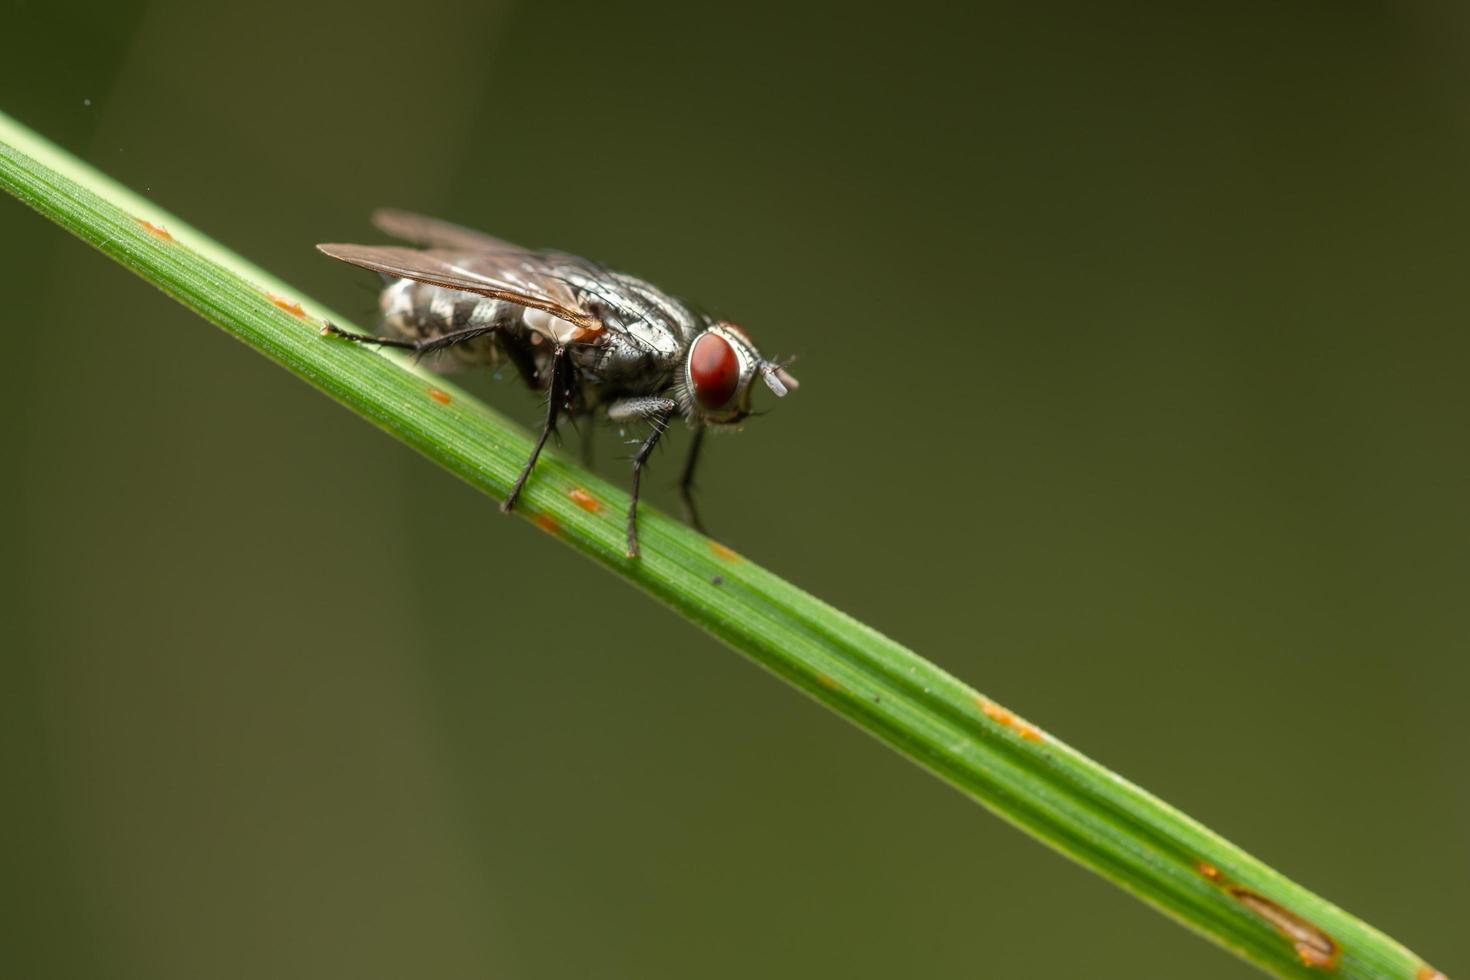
419 311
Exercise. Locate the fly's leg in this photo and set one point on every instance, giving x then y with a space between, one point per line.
519 356
659 423
553 405
422 346
686 482
656 412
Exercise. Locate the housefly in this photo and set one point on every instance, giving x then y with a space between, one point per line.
595 340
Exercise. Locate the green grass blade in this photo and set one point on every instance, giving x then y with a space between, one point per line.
1012 767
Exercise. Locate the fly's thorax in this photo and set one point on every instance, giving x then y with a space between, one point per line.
642 340
643 314
621 363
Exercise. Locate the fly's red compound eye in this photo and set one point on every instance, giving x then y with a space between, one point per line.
714 370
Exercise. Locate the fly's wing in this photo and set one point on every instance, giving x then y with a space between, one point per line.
529 279
433 233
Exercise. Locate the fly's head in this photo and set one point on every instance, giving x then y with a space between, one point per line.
720 370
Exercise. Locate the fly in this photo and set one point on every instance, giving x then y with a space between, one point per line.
595 340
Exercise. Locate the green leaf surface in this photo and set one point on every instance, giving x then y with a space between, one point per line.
1007 764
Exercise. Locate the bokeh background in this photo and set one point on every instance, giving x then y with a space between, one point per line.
1133 347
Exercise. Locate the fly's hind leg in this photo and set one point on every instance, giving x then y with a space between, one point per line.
554 398
517 352
420 346
656 412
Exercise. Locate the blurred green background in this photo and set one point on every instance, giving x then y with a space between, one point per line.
1133 348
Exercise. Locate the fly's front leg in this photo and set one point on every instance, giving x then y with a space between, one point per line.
656 412
686 482
554 397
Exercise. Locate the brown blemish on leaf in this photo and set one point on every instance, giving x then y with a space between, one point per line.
1313 946
585 500
282 303
442 397
1427 972
157 232
1006 717
1311 956
723 552
547 523
829 682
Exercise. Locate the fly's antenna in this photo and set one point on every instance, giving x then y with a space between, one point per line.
777 378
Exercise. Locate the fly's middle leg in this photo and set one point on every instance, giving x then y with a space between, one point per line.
556 394
523 356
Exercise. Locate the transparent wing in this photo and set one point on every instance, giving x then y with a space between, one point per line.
433 233
527 279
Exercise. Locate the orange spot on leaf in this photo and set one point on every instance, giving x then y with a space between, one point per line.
1313 946
547 523
995 712
157 232
282 303
585 500
723 552
1006 717
829 682
1427 972
442 397
1209 870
